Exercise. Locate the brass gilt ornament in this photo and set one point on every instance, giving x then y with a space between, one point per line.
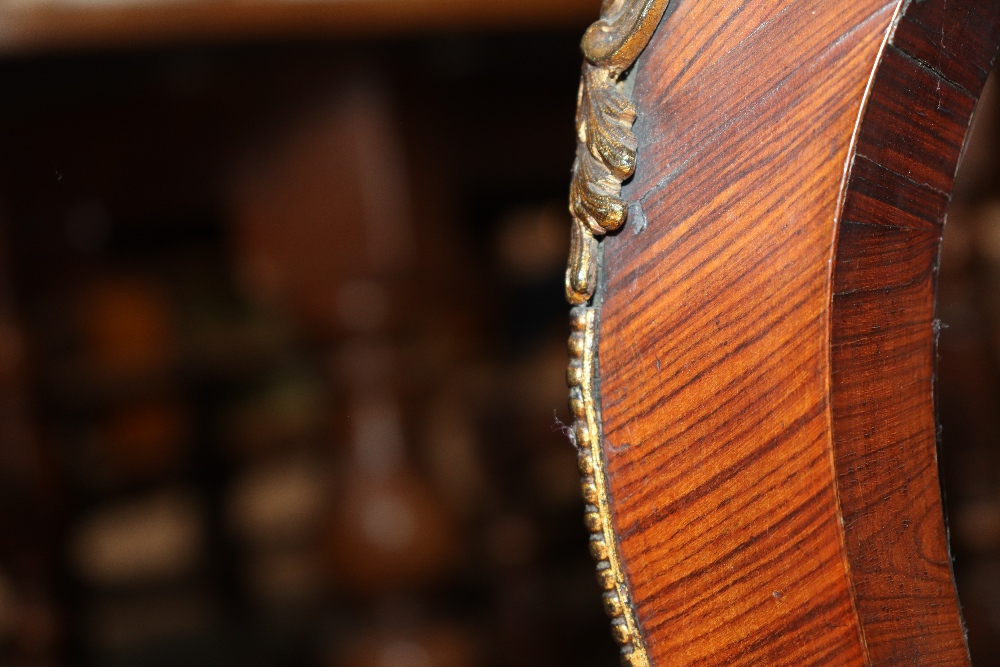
605 154
597 514
605 157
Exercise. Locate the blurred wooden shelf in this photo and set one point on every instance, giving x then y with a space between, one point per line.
31 27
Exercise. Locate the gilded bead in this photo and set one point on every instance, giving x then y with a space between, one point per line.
584 461
630 658
612 604
574 375
589 491
577 407
620 631
605 577
577 345
598 548
578 319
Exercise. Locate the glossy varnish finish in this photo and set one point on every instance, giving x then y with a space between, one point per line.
922 99
766 370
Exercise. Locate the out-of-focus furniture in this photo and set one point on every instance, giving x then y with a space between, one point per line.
55 25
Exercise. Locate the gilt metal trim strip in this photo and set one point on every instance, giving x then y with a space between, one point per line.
597 513
605 157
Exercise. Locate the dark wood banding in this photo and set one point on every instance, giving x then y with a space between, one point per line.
883 332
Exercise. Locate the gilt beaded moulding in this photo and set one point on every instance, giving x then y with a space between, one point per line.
605 157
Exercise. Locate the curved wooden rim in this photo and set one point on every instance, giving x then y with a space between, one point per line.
883 332
767 341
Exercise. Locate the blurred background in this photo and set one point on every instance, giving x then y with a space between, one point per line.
968 386
282 338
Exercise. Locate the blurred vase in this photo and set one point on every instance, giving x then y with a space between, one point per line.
426 645
388 531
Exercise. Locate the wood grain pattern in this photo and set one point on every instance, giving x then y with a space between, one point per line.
766 342
883 334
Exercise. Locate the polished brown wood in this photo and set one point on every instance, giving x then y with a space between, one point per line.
767 339
929 78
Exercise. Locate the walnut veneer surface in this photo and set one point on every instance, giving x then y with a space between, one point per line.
767 342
